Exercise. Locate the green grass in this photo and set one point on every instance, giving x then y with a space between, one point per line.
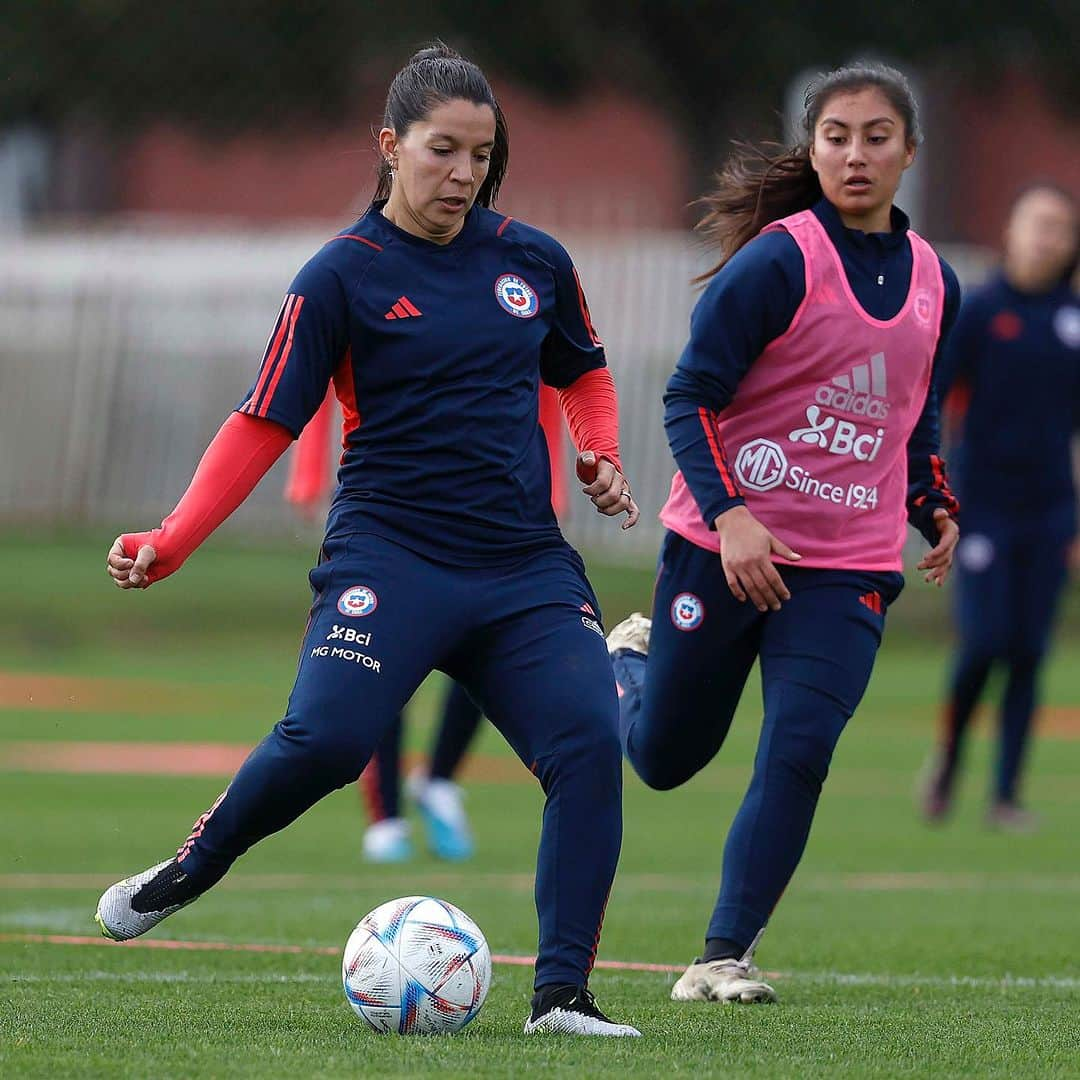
900 951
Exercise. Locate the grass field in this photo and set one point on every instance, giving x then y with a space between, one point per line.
898 951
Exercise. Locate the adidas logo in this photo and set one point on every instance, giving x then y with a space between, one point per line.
863 392
872 600
403 308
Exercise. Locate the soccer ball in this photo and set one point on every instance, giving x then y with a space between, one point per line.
416 966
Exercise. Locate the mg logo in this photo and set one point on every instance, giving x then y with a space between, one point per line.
760 465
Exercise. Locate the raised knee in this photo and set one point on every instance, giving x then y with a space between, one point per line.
660 772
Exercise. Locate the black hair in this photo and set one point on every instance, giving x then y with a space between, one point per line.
761 184
433 76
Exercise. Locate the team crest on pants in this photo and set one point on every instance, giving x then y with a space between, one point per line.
516 295
357 600
687 611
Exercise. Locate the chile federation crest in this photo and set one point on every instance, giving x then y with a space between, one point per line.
516 296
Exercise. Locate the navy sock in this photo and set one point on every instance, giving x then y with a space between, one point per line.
722 949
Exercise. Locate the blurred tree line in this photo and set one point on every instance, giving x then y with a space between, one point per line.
717 68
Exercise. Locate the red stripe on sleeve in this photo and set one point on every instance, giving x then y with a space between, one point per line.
941 484
716 448
280 368
271 350
584 305
502 225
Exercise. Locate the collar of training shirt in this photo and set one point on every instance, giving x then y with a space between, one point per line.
390 231
840 234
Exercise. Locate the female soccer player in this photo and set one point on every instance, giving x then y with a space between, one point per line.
800 419
436 319
1014 358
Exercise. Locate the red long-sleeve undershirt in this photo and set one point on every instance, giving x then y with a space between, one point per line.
591 408
246 447
238 457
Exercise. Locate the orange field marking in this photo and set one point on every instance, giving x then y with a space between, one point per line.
70 693
193 759
310 950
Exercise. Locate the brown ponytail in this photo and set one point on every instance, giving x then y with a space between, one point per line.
761 184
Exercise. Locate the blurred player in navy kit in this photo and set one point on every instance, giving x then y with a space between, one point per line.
436 319
1013 369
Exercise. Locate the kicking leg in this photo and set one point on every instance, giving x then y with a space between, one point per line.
676 704
375 657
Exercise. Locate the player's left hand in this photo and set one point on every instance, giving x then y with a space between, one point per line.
938 560
607 487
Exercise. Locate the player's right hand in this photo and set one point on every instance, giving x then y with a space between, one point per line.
129 561
746 550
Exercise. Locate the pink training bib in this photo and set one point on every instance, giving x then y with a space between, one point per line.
816 434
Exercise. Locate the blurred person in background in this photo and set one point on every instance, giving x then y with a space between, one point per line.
1012 373
436 319
431 787
804 423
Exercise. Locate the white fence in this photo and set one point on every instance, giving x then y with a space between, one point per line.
121 352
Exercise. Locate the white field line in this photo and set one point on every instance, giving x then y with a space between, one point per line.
824 978
429 881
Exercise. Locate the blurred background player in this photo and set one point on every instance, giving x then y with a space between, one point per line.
1012 371
436 319
803 420
431 786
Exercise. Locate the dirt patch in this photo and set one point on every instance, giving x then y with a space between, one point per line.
1058 722
67 693
195 759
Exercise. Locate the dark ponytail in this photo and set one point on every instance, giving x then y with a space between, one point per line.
433 76
761 184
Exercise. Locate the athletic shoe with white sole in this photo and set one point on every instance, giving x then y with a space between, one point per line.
722 980
137 904
441 805
1011 817
572 1010
632 633
388 841
935 789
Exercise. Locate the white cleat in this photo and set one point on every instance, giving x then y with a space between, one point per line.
632 633
119 920
388 841
573 1011
722 980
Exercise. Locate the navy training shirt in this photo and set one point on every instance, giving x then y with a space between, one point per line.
751 302
436 352
1016 357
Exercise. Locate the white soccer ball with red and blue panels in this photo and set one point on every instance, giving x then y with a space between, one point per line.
416 966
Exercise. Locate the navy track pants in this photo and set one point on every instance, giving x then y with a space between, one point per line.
1010 573
676 705
526 642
